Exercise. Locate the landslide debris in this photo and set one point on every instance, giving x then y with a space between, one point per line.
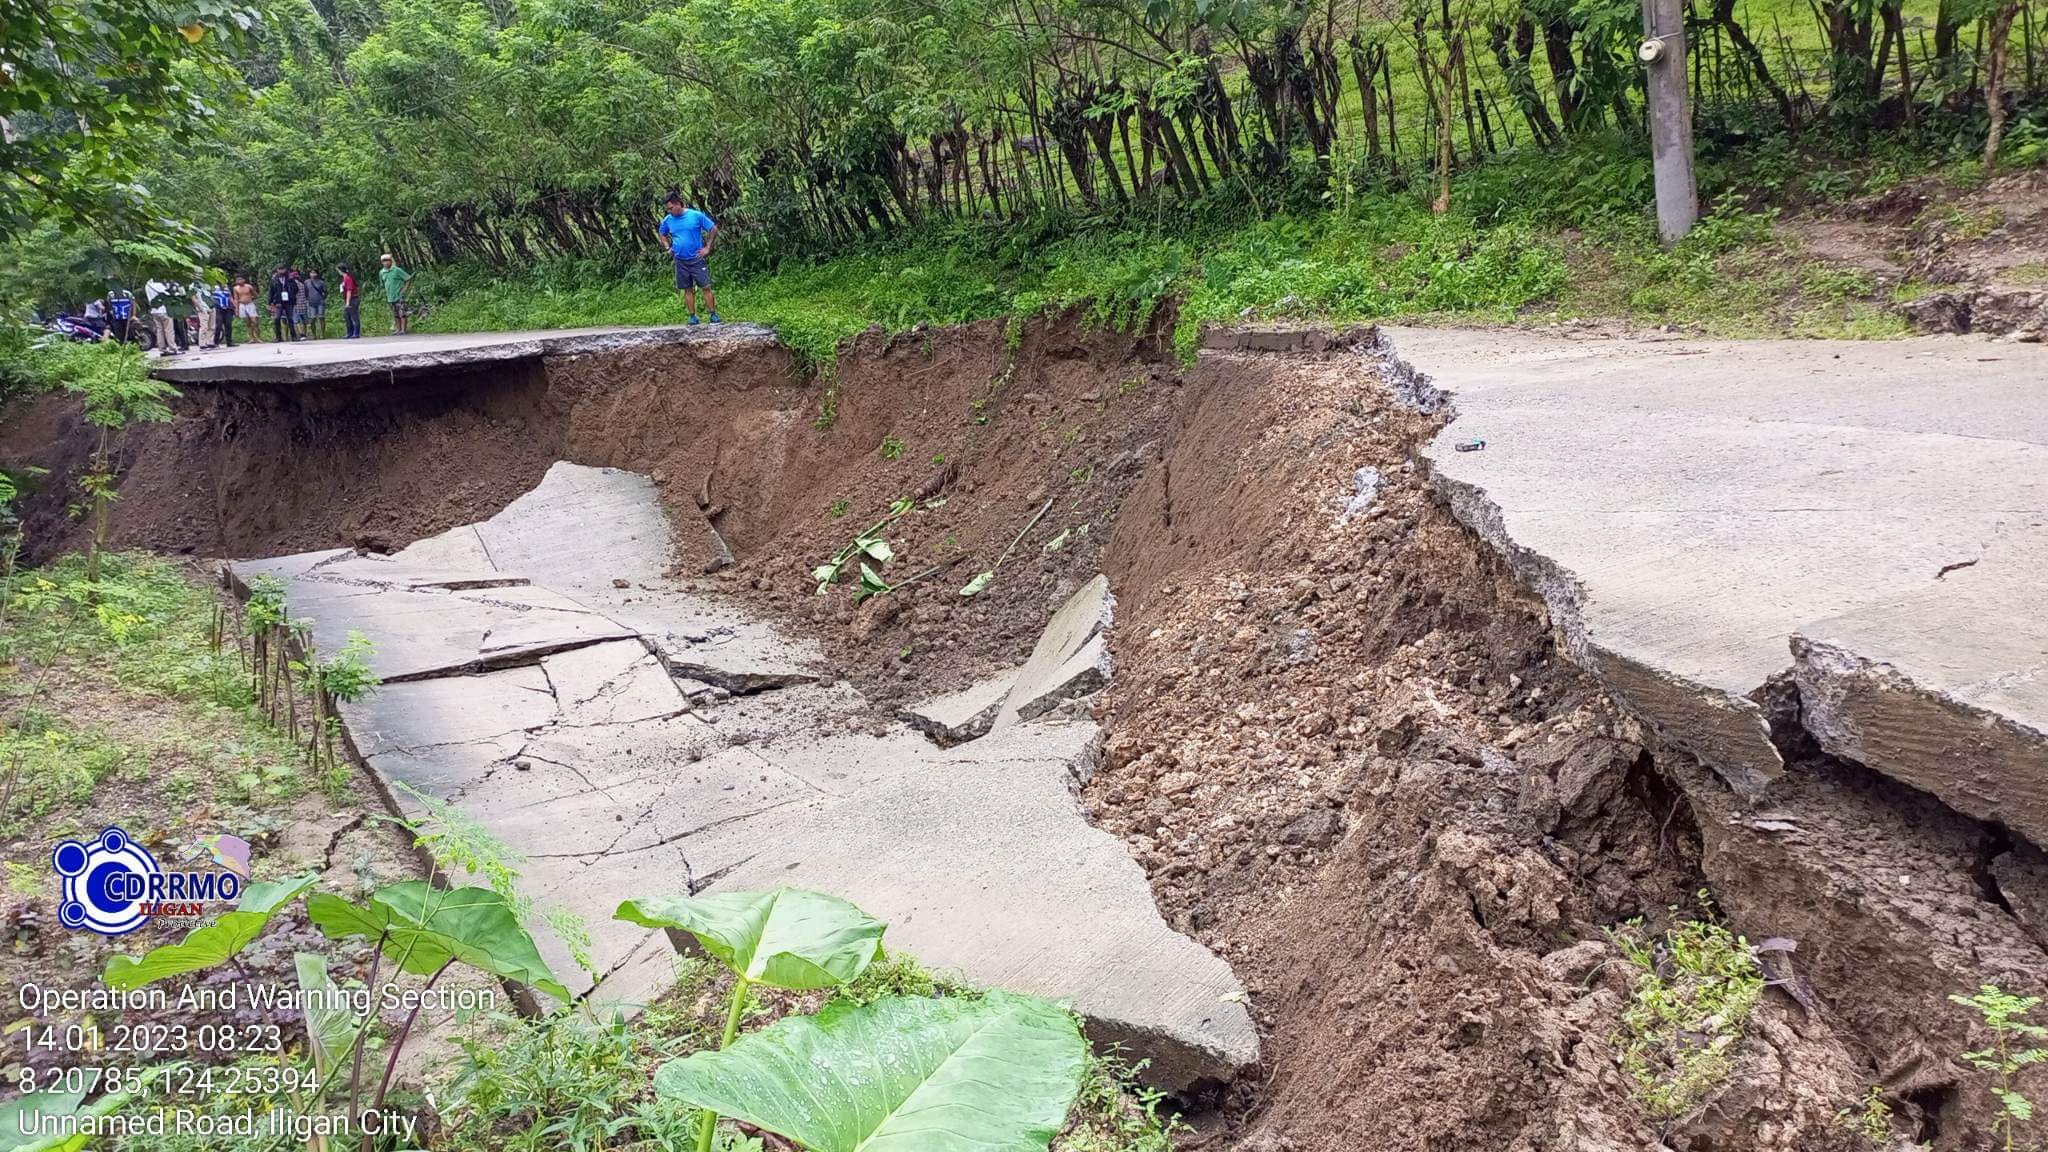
1341 740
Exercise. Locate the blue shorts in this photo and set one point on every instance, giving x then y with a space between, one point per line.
692 272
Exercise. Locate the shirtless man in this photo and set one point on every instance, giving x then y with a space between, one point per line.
245 307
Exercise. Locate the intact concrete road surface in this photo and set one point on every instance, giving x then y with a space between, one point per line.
1717 524
630 739
383 357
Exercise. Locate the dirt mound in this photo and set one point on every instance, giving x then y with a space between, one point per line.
1028 448
1345 746
1341 739
1955 259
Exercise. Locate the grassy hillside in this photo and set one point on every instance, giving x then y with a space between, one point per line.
1534 236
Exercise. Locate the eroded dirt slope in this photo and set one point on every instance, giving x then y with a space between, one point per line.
1348 752
1341 740
981 426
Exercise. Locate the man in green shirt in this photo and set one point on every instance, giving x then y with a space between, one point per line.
395 280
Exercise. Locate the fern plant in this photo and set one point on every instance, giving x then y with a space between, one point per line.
2002 1012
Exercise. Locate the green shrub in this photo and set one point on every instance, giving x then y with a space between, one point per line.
1694 989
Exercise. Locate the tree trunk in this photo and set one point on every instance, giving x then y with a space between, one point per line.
1521 82
1564 67
1994 78
1393 126
1192 147
1465 91
1947 35
1363 66
1852 85
1724 16
1123 133
1895 21
1098 130
1266 86
1068 133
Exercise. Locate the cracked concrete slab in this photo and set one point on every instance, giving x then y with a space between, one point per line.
581 749
387 358
294 566
1944 687
545 534
459 548
1062 664
976 859
542 536
439 631
441 771
619 755
618 682
450 710
1687 508
957 717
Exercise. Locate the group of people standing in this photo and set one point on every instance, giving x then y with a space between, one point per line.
298 304
166 308
180 316
298 301
298 298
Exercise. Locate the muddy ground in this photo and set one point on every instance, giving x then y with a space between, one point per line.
1341 740
1951 259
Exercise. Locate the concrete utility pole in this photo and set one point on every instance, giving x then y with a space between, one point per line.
1663 56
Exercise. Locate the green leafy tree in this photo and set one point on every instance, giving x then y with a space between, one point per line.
90 91
118 392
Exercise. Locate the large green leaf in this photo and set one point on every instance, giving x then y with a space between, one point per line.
213 944
331 1024
425 927
28 1112
788 938
904 1074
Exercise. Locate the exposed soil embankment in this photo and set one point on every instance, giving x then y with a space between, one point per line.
256 470
1342 740
981 426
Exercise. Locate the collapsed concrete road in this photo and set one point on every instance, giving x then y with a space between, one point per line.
628 739
1850 536
391 357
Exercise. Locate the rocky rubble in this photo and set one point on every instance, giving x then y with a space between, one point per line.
1353 760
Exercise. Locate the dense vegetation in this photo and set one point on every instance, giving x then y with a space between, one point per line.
505 134
1147 142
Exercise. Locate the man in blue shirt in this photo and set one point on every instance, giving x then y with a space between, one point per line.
689 234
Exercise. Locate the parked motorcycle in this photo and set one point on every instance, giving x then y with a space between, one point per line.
74 329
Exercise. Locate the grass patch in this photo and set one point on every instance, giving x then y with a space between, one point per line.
1530 235
1694 989
1908 291
112 682
1390 258
47 765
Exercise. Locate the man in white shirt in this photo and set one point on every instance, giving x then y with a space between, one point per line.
158 294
